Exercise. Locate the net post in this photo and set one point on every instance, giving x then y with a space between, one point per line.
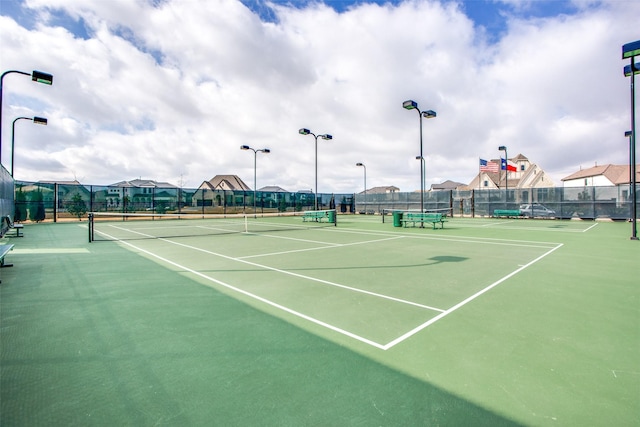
90 227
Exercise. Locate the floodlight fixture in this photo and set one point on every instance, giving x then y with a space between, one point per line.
627 69
631 49
39 120
429 114
40 77
410 105
304 131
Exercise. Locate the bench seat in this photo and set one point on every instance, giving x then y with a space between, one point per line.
509 213
420 218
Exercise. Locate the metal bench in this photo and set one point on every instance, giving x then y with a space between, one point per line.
508 213
10 225
422 217
4 250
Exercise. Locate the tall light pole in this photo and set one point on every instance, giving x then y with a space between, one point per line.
428 114
36 120
424 167
325 136
631 50
506 170
36 76
365 185
255 163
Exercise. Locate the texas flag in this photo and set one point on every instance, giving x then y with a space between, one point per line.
506 166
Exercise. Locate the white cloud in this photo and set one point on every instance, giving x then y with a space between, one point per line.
174 90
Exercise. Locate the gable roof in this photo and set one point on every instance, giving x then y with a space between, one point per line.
227 182
139 183
382 190
273 189
617 174
447 185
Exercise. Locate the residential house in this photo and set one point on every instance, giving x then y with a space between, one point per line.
525 175
447 185
601 176
382 190
616 177
140 194
212 192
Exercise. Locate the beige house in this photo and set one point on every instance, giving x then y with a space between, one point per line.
526 175
209 192
601 176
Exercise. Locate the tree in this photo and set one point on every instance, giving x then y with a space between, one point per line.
78 207
283 203
36 209
21 206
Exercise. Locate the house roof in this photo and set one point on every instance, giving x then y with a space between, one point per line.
74 182
447 185
382 190
273 189
617 174
139 183
227 182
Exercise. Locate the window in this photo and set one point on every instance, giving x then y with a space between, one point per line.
521 167
486 183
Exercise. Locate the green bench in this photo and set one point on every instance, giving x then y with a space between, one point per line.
10 225
4 250
317 216
509 213
420 218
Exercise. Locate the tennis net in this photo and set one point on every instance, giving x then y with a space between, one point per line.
135 226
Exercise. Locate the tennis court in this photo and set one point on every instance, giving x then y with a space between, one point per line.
484 322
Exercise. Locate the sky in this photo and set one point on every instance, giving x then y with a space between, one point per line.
169 90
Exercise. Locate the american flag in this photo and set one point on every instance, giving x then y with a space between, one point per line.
488 166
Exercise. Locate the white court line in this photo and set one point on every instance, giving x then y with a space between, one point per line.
584 231
462 239
290 273
387 346
464 302
329 246
254 296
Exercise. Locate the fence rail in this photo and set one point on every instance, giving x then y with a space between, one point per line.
56 201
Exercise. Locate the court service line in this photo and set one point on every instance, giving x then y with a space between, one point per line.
329 245
302 276
466 301
254 296
463 239
290 273
589 228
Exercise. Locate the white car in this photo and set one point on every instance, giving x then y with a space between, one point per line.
536 210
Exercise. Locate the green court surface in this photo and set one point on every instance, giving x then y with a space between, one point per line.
483 323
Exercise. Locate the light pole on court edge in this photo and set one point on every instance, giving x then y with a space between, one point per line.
365 185
428 114
36 120
325 136
255 162
36 76
631 50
